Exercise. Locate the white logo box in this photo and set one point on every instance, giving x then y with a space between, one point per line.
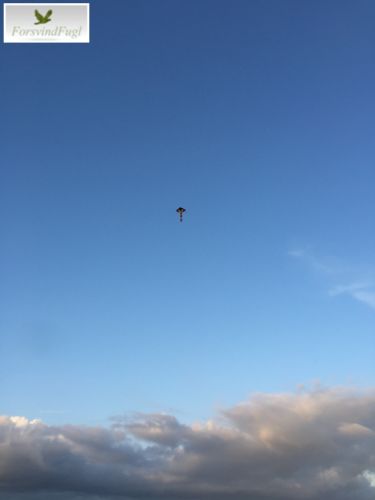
68 23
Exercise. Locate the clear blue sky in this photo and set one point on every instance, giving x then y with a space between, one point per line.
258 118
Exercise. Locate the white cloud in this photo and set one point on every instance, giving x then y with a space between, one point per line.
365 296
351 429
370 476
351 288
361 291
309 445
328 266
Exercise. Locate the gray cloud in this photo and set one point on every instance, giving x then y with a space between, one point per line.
309 445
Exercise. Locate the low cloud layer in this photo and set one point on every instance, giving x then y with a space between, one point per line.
309 445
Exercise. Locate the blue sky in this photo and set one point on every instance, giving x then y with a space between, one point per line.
258 118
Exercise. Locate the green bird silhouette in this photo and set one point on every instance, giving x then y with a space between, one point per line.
43 19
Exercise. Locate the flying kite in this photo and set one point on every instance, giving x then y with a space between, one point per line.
180 211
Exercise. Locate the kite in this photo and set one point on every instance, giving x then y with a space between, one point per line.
180 211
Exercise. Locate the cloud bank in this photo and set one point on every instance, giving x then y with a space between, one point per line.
310 445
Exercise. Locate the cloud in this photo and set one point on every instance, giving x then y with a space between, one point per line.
329 267
361 291
365 296
314 445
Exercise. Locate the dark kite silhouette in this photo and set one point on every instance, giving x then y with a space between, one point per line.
180 211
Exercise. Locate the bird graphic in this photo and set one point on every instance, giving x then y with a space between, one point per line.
43 19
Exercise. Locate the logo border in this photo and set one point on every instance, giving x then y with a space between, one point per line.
22 4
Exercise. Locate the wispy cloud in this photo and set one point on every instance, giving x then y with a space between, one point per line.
317 444
361 292
365 296
336 274
306 255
